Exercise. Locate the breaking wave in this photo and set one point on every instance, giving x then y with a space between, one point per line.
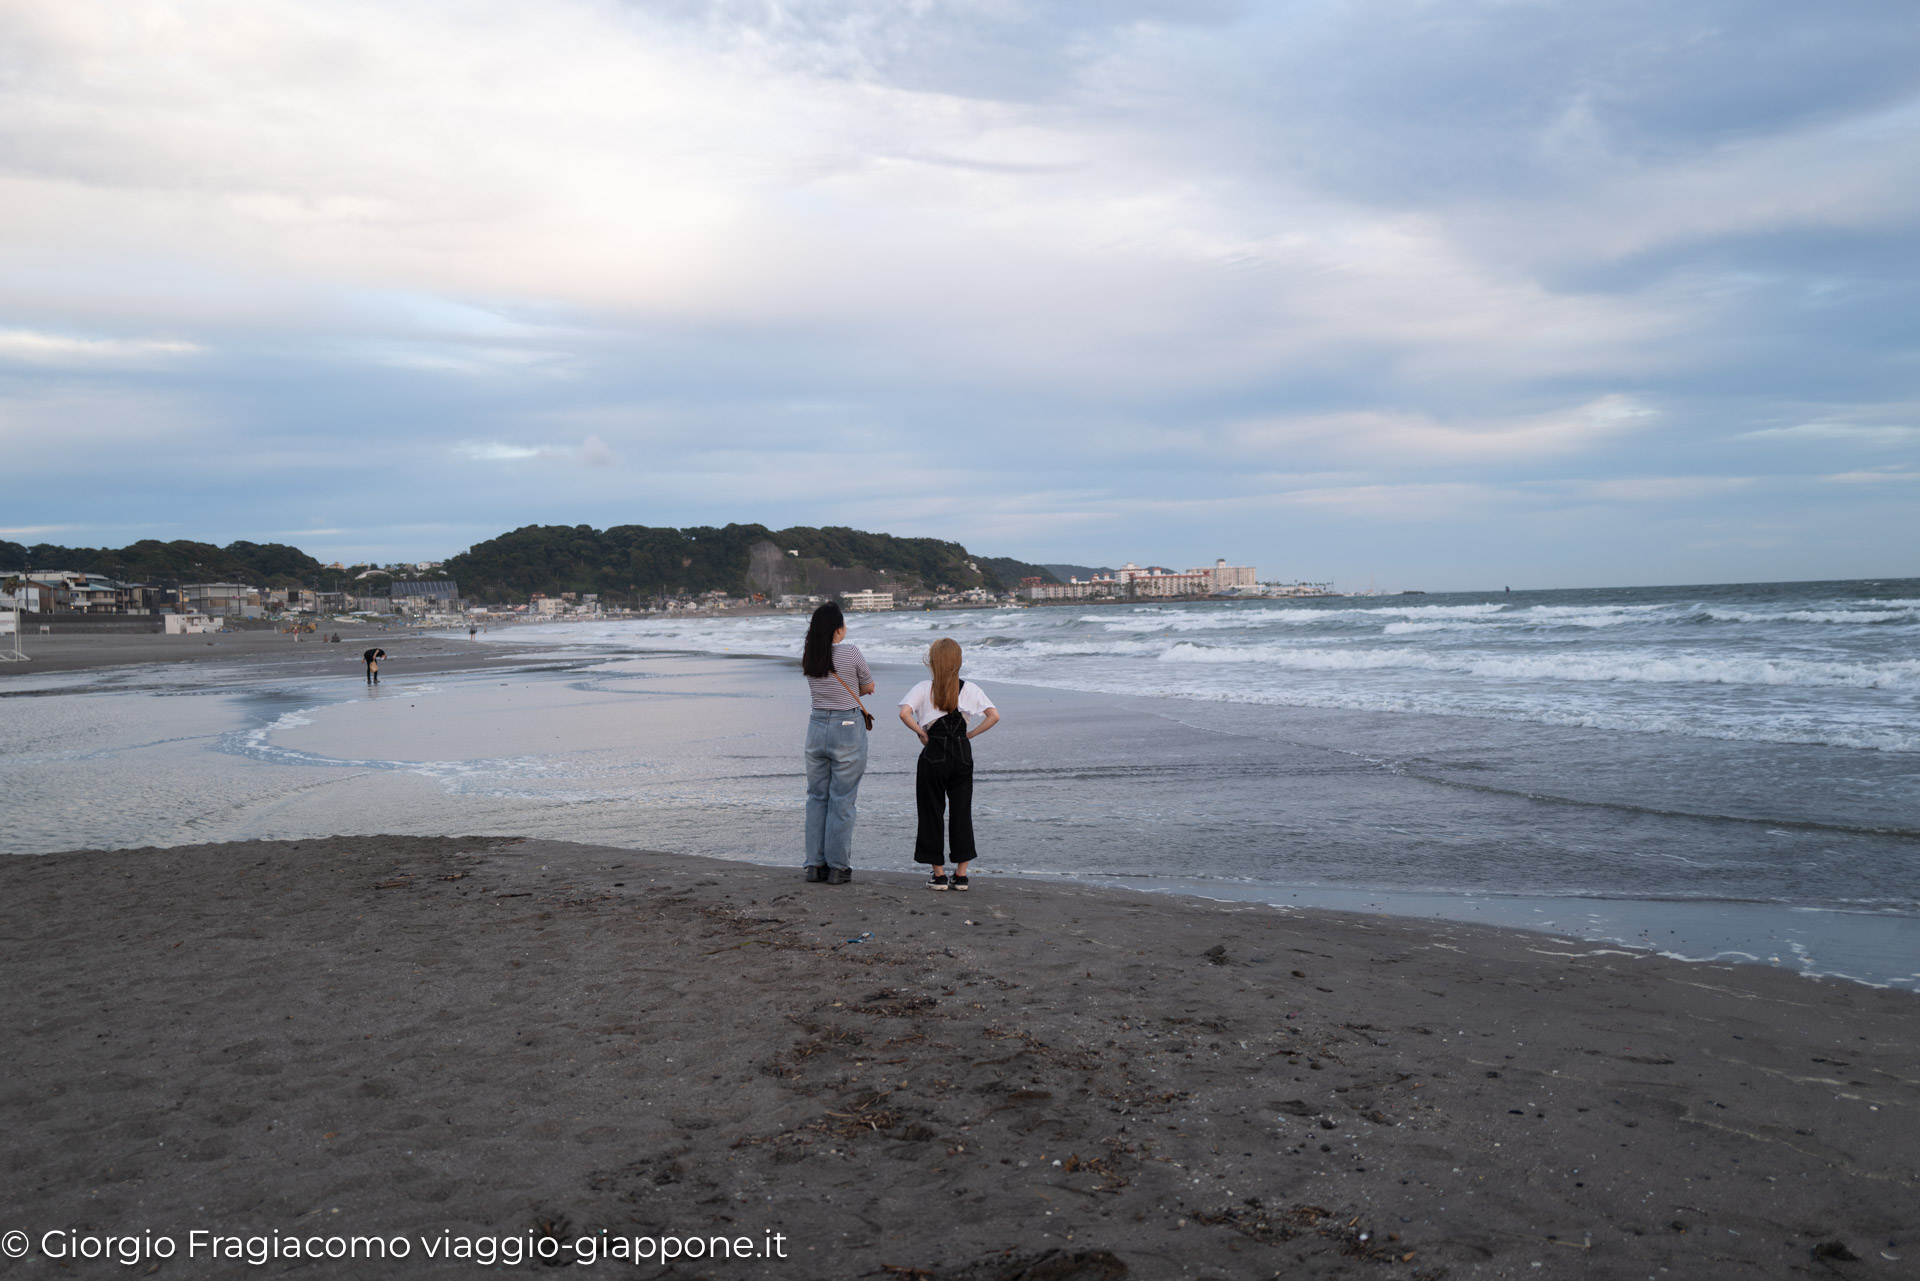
1787 664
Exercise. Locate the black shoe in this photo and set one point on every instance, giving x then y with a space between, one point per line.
959 882
937 880
839 875
816 872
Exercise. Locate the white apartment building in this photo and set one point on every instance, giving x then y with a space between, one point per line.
1225 575
867 602
1074 589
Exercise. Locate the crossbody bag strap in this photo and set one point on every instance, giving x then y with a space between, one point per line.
856 698
843 685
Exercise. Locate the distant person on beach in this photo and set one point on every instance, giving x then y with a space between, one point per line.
372 659
938 711
837 674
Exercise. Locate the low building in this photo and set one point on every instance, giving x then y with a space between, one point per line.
792 601
437 596
220 600
867 602
66 591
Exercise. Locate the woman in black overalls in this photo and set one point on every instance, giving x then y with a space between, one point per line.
938 711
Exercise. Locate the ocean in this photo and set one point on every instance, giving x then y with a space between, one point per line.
1722 771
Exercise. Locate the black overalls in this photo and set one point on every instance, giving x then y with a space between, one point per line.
945 774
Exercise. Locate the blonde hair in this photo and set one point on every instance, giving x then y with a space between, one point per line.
943 656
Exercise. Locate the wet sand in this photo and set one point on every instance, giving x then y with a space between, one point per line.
270 652
433 1036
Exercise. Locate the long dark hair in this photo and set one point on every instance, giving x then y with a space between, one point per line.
817 659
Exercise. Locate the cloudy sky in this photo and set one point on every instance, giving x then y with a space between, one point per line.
1430 293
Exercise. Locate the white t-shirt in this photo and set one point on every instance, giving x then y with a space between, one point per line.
919 700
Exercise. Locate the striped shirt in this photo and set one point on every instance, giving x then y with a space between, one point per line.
828 694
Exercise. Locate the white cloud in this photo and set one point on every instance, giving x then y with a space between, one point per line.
1876 476
31 347
1641 489
591 452
494 452
590 156
1399 435
1863 433
595 453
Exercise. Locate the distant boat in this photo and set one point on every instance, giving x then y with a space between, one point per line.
1410 593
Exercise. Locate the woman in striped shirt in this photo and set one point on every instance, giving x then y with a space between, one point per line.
836 674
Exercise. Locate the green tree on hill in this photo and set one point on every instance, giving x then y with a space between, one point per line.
180 561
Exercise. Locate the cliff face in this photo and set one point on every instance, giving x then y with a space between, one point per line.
772 570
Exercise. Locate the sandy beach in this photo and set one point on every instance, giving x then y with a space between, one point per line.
263 651
481 1039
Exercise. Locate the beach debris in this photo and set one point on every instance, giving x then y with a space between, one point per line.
1296 1107
1273 1225
1836 1250
1217 954
553 1227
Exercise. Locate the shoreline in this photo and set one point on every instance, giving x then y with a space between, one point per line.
472 1034
1871 948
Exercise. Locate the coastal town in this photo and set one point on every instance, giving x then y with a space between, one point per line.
45 599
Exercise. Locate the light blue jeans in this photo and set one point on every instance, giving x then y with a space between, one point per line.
836 758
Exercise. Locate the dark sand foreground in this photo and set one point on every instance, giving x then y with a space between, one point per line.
471 1037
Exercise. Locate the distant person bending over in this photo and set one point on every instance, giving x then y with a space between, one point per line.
372 659
837 674
938 711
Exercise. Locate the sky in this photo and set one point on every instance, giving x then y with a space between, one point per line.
1441 294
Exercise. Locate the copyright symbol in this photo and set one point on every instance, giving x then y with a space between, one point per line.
14 1244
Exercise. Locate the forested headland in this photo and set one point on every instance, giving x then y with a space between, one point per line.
640 561
624 563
